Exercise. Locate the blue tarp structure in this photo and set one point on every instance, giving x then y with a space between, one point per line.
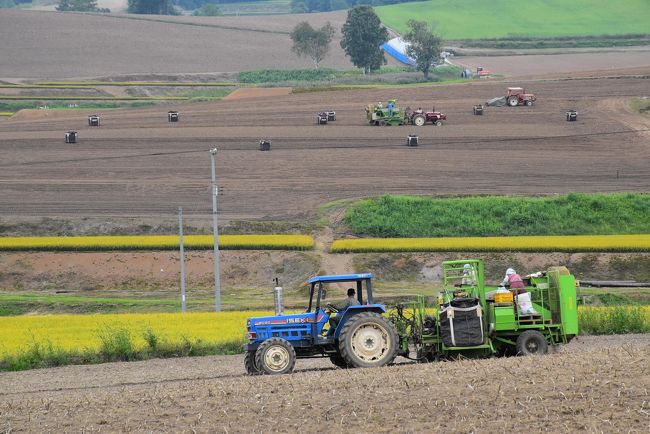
396 47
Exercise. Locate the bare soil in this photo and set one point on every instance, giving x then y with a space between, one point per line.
594 384
137 165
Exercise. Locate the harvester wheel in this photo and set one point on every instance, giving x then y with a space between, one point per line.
419 120
249 364
529 103
438 123
382 123
275 356
531 343
513 101
368 340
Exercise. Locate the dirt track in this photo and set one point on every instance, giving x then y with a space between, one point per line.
595 384
139 165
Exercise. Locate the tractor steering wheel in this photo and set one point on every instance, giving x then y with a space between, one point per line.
331 308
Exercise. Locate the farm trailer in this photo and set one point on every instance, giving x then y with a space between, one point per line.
469 319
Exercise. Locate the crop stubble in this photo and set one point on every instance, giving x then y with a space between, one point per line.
593 384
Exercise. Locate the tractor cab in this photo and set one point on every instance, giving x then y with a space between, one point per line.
331 317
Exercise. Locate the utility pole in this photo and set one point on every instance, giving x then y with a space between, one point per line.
180 231
217 277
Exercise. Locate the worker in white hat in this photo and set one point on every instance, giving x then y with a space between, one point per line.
514 281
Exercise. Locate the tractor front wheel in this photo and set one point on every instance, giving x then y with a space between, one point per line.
529 103
249 364
438 123
368 340
275 356
513 101
531 343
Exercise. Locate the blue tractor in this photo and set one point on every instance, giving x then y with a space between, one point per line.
357 337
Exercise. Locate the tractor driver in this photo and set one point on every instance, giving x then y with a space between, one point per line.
341 307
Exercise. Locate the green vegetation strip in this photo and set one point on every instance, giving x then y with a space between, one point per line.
156 242
579 243
479 19
128 83
99 98
572 214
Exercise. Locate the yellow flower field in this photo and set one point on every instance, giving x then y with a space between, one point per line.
578 243
158 242
81 332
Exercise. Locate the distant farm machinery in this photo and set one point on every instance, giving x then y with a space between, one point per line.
377 114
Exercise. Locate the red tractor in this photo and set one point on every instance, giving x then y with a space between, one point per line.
419 117
518 96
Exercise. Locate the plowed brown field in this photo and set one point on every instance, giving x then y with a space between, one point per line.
595 384
139 165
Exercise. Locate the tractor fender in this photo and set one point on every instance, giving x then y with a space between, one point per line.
354 310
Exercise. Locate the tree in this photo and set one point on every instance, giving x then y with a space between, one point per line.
303 6
363 35
207 10
310 42
424 46
155 7
78 5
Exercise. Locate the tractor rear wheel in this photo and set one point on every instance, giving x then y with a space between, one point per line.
438 123
513 101
249 364
419 120
531 343
275 356
368 340
338 361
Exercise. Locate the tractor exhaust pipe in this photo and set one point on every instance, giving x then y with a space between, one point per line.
279 309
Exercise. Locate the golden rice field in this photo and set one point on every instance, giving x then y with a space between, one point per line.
82 332
571 243
157 242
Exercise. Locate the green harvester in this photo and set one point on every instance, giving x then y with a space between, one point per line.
472 320
382 116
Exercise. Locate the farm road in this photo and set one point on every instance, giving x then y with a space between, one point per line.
592 384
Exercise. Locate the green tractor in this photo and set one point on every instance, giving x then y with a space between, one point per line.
470 319
389 115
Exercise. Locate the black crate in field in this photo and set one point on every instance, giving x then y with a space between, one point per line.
478 109
93 120
321 118
265 145
172 116
571 115
71 137
331 115
412 140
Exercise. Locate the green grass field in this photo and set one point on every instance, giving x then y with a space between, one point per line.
477 19
573 214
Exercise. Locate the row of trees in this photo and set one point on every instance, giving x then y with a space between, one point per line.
363 35
80 6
